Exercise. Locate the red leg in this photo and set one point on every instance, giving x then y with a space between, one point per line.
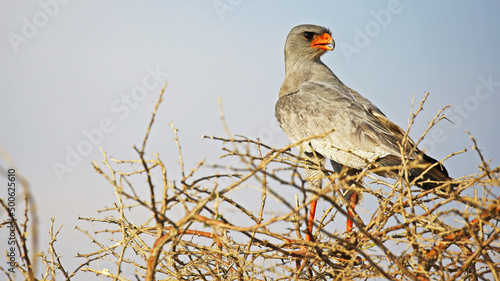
310 222
353 200
303 250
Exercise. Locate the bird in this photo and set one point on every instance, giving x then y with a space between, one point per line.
328 120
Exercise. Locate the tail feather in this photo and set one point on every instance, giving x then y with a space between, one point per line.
425 179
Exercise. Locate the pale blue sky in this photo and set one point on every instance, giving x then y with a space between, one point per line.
70 68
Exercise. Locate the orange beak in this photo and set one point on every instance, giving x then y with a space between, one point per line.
324 42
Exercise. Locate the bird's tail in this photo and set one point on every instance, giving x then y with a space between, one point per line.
419 169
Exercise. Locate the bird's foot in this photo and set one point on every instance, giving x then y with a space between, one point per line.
304 252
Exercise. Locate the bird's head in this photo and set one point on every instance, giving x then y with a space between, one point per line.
308 42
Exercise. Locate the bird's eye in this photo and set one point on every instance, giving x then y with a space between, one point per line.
308 35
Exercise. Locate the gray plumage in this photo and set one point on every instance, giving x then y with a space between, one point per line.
353 131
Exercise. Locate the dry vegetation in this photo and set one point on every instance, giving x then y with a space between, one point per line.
199 225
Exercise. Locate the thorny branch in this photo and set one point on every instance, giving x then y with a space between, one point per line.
240 222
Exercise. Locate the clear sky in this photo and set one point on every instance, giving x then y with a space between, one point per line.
76 75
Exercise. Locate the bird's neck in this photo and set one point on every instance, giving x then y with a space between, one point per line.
299 72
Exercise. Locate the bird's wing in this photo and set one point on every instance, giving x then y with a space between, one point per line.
350 134
366 103
380 116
